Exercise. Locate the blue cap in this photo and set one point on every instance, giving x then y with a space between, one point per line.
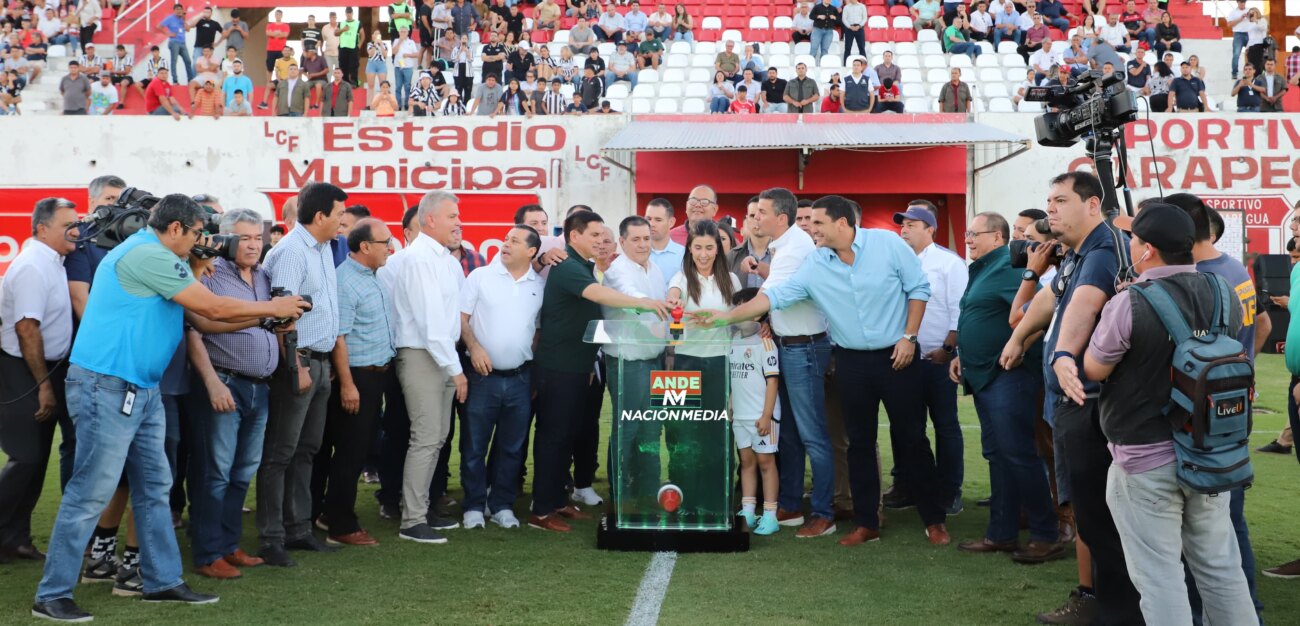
918 213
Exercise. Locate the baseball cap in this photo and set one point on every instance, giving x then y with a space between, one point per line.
1165 226
918 213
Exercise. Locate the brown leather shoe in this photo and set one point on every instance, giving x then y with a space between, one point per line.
552 523
937 534
218 569
984 545
1284 571
239 558
860 535
359 538
816 527
789 518
26 552
1036 552
572 512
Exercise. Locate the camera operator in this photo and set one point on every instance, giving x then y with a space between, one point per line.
303 263
131 327
1086 281
35 334
1160 518
232 368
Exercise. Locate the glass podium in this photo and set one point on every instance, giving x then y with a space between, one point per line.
671 455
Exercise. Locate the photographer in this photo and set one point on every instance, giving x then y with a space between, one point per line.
301 264
1086 281
232 367
130 330
35 334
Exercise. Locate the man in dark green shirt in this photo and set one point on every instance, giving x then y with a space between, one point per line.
565 365
1005 400
650 51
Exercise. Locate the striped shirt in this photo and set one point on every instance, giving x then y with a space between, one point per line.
152 65
252 352
377 51
469 259
424 96
305 267
364 305
553 102
453 108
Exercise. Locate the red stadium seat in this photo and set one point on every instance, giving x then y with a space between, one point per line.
1056 35
904 34
758 35
878 35
735 23
876 10
899 9
541 36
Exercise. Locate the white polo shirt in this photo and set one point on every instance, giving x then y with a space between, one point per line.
426 295
504 312
628 278
35 287
948 276
788 253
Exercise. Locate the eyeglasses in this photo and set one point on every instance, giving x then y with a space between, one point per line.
700 201
198 232
971 234
387 242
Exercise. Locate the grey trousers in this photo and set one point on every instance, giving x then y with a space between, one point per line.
294 429
1161 523
429 393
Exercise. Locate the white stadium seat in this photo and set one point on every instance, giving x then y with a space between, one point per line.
732 35
54 52
617 104
779 60
759 22
961 60
674 75
877 22
911 75
986 60
906 61
902 22
694 105
617 90
935 60
665 106
697 90
994 90
678 60
706 47
835 60
561 36
806 59
1000 105
640 105
783 22
1007 47
673 90
931 47
642 90
700 75
703 60
990 74
1013 60
906 47
803 47
913 90
917 105
712 23
647 76
779 47
680 47
935 88
606 49
927 35
1015 76
1036 107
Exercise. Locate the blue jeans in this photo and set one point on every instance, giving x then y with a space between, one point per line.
107 442
999 35
686 36
1062 24
497 413
159 111
719 105
821 42
941 400
965 48
178 47
803 427
630 77
226 452
1242 109
1016 474
1062 469
402 88
1239 41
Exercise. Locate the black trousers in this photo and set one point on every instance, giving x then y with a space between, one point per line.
87 35
27 443
348 61
586 448
352 435
562 407
1088 460
866 380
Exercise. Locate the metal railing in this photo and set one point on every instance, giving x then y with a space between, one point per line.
125 22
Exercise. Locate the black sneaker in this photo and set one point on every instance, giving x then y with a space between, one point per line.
323 522
1274 447
1080 609
956 507
128 583
61 610
276 556
181 594
437 522
984 501
390 511
421 533
309 543
896 498
101 570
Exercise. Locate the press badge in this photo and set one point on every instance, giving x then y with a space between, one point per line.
128 400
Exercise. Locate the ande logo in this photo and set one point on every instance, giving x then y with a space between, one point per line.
674 390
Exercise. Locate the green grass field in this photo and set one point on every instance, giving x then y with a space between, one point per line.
495 576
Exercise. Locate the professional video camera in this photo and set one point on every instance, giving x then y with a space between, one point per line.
113 223
1097 106
224 246
1021 248
1091 103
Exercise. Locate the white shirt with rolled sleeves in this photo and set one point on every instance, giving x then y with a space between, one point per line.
630 279
427 297
34 288
504 312
948 276
788 253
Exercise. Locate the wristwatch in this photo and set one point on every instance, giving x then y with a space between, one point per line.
1029 275
911 338
949 349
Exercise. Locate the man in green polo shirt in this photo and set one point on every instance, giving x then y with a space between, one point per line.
565 365
1004 400
650 51
349 33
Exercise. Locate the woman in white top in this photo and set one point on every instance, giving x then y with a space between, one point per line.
699 452
1256 33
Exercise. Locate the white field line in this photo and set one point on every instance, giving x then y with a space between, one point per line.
654 586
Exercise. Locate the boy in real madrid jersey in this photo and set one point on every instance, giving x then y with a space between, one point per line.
755 421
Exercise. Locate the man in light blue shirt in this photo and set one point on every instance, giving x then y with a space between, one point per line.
636 22
174 27
238 81
872 289
664 252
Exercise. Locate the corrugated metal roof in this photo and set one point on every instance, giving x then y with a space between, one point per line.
726 134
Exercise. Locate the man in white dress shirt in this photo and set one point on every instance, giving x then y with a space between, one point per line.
805 352
499 307
633 274
937 340
427 297
35 334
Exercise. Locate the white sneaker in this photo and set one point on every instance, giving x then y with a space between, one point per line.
473 519
587 496
505 518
